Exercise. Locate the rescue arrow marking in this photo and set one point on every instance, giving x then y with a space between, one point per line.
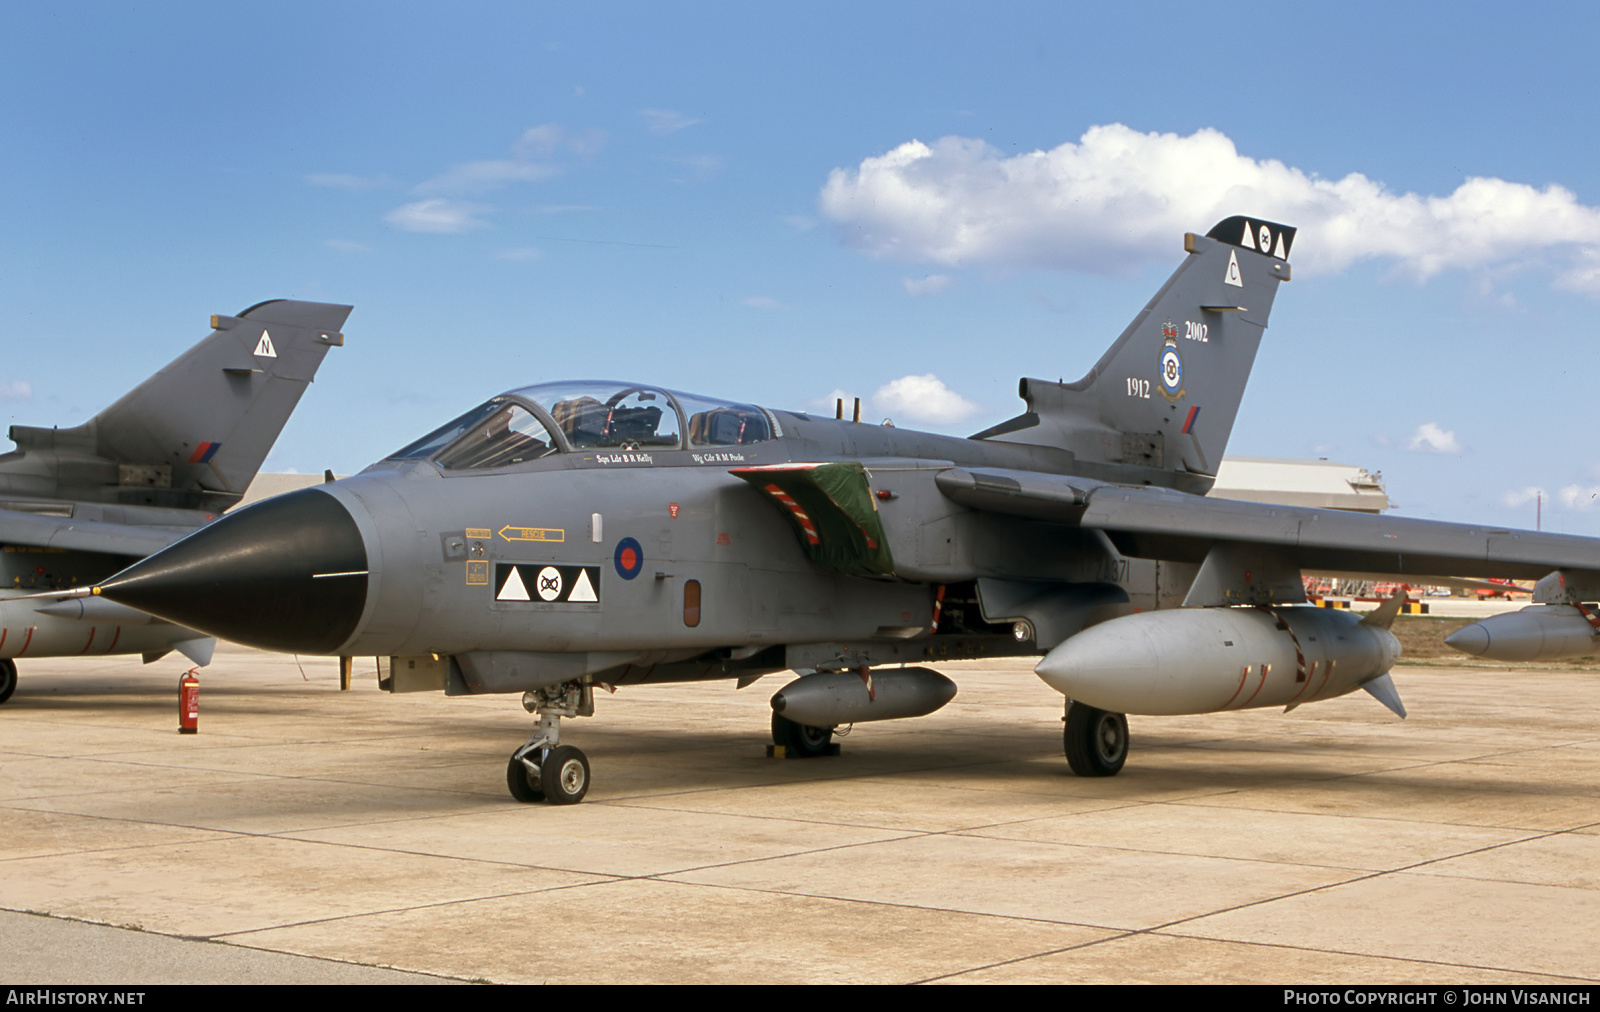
533 533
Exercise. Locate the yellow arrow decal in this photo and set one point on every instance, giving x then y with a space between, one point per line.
533 534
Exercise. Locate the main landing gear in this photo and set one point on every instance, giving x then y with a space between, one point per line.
543 769
8 679
1096 741
802 741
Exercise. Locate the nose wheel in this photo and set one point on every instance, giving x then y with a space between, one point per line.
559 775
525 779
543 769
565 775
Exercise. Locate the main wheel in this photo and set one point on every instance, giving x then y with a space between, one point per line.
8 679
524 785
566 775
1096 741
801 740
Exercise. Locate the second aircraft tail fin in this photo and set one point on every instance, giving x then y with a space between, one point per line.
195 434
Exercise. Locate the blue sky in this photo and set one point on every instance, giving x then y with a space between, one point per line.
721 198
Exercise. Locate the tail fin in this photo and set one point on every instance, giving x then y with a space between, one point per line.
1165 395
195 434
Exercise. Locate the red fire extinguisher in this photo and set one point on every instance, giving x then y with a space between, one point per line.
188 703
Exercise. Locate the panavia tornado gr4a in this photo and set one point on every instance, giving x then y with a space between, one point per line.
79 504
571 535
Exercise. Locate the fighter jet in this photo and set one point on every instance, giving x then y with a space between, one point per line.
79 504
574 535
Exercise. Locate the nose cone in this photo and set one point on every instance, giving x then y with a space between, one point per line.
288 573
1470 639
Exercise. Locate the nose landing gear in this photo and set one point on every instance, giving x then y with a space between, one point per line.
543 769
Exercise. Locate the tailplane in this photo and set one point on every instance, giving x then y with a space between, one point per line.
194 434
1164 397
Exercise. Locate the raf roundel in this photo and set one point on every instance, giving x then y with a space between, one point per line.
1171 371
629 558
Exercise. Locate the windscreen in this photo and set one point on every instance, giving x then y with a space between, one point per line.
498 433
446 434
512 435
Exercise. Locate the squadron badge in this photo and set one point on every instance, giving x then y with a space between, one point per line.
1171 363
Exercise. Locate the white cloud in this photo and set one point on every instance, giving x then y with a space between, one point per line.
923 399
932 284
436 215
345 181
548 139
1579 497
666 121
16 390
701 167
1429 438
521 254
486 175
1583 274
762 302
534 158
1118 199
1525 496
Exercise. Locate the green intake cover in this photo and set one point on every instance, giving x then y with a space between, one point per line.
834 512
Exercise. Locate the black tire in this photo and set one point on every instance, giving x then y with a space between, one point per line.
566 775
1096 741
8 679
521 781
801 740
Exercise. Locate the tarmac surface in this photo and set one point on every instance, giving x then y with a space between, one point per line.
309 835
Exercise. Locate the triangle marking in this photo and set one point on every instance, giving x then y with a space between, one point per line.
582 589
1234 277
264 348
1248 241
513 589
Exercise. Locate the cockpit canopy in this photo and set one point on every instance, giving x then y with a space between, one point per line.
536 421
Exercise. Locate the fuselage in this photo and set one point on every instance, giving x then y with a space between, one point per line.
541 522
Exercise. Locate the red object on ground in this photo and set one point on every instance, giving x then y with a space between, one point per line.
189 703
